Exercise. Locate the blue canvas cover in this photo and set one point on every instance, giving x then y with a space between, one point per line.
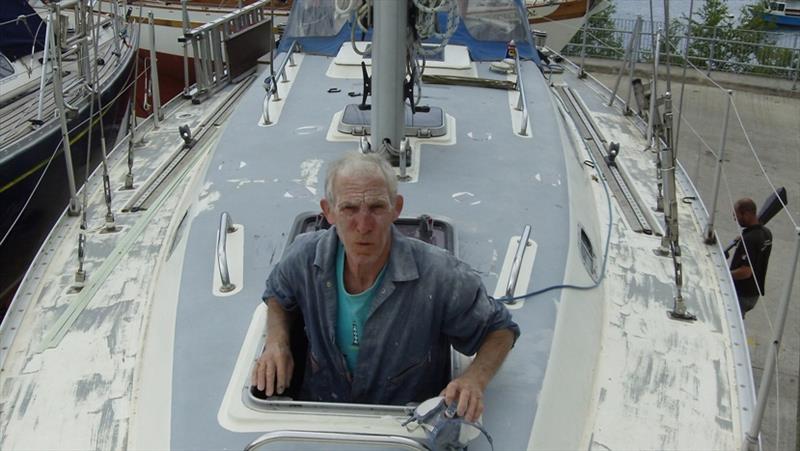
322 30
22 31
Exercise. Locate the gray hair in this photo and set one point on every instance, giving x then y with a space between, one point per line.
362 165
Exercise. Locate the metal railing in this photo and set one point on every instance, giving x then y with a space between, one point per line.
522 102
715 48
225 227
271 82
282 438
207 43
516 265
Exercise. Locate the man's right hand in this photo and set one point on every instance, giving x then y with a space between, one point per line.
273 370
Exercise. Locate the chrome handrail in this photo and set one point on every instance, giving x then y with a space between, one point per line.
271 82
522 103
225 227
341 437
517 263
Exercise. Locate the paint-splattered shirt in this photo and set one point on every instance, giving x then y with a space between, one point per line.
428 300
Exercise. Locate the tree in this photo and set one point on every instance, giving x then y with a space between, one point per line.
710 35
602 40
753 33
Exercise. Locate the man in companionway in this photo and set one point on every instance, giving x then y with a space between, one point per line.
381 310
749 262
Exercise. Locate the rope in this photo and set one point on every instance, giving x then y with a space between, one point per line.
426 23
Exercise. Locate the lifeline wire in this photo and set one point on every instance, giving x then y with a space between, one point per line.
761 166
44 171
766 315
749 143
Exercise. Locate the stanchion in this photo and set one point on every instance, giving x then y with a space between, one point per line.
710 234
751 438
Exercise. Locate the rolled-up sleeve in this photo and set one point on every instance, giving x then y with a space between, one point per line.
279 287
471 314
285 281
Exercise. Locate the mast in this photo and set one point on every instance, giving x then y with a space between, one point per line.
388 73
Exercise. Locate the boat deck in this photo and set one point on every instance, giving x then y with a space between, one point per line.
19 113
603 367
674 375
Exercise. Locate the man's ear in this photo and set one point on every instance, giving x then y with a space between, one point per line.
398 206
327 210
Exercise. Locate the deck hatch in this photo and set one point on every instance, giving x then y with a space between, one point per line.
425 228
422 124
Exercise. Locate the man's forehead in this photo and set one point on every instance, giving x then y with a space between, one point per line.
359 196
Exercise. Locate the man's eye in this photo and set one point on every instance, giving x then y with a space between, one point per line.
349 209
377 208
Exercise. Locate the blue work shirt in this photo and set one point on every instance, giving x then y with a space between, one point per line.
427 301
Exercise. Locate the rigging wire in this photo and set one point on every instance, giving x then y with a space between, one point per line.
766 315
22 210
760 165
749 143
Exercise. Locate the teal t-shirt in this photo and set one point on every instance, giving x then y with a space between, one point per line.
353 311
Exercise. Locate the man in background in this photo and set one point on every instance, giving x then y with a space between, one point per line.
749 262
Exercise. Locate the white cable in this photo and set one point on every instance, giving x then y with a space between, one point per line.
760 165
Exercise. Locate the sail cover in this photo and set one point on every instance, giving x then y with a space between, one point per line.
22 31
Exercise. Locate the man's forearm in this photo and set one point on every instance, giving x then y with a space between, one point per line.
742 272
278 321
490 356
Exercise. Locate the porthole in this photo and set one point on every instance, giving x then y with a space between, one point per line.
587 253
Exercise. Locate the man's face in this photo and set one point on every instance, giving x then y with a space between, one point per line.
743 218
363 215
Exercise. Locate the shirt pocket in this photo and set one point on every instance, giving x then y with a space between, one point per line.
410 371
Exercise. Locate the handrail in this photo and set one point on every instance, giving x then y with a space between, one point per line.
522 103
225 227
517 263
271 82
341 437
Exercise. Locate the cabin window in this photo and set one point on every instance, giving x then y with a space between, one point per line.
494 20
587 253
6 68
316 19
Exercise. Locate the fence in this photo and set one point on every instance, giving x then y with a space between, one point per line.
714 48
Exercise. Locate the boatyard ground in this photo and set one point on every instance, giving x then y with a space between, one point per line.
769 110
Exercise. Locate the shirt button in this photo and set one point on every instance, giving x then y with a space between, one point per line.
329 284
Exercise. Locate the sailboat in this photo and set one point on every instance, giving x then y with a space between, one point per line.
144 336
51 55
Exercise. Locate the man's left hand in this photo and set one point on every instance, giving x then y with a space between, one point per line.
468 392
468 388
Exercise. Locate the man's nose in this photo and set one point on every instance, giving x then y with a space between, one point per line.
364 220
